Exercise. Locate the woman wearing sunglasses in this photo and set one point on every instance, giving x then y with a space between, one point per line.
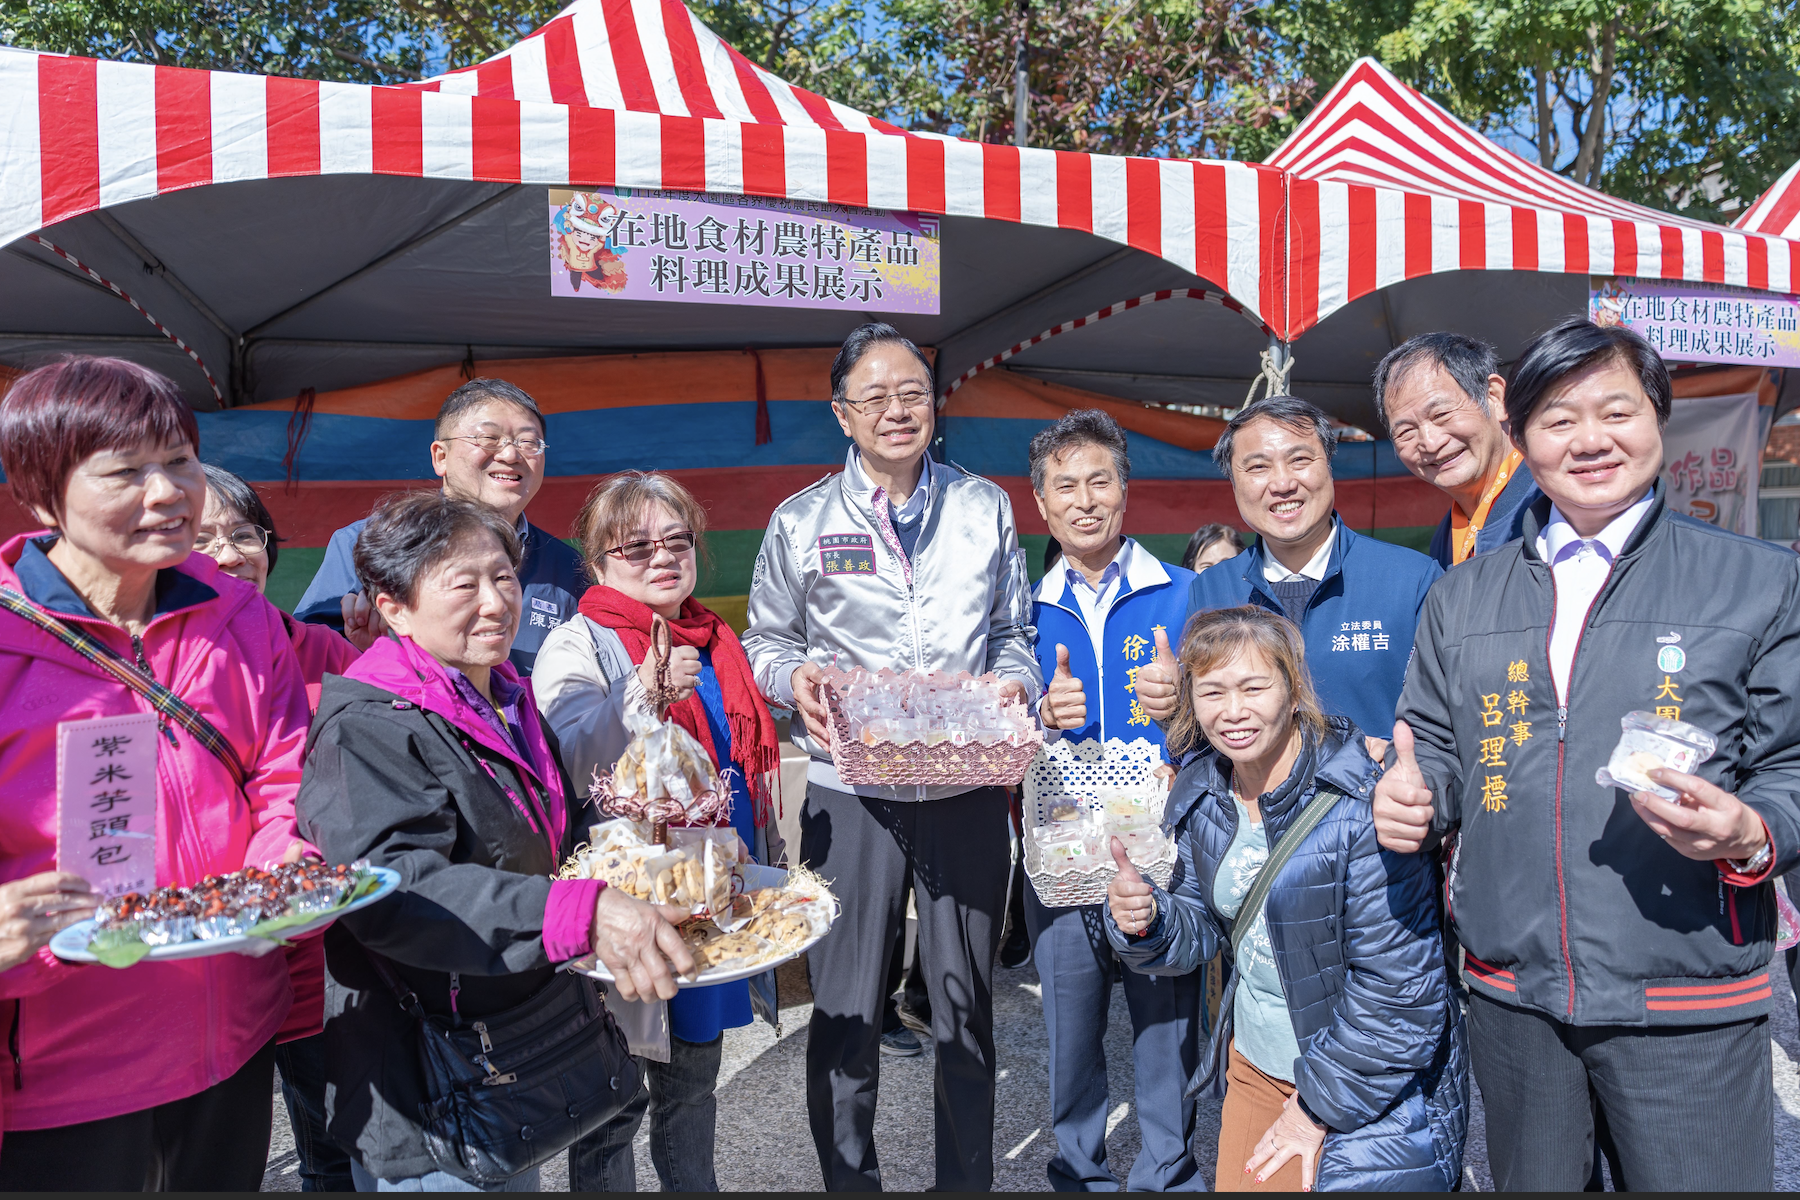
640 534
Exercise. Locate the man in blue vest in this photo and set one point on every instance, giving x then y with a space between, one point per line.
1355 599
489 447
1442 400
1098 612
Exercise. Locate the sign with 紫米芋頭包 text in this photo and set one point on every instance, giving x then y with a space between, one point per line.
1702 322
106 802
706 248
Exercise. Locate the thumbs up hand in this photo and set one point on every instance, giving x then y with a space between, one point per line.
1129 895
1156 682
1402 804
1064 705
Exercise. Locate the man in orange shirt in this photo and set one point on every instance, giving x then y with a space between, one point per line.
1441 397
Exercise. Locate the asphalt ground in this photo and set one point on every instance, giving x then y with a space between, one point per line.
764 1144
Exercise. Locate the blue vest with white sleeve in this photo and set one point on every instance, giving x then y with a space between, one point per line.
1152 595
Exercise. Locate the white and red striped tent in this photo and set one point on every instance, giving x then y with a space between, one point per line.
296 233
1396 218
1777 211
301 234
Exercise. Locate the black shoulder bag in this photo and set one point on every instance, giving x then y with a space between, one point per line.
511 1091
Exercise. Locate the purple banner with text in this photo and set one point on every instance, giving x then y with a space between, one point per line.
702 248
1702 322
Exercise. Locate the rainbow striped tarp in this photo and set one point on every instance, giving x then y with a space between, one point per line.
694 415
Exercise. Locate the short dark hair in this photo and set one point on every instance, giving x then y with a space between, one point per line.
411 532
1204 537
1080 427
1284 410
1465 359
477 392
233 492
1574 346
864 338
53 418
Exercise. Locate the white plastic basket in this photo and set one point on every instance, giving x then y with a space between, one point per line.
1066 769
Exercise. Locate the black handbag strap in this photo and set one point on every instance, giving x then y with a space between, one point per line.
409 999
1283 850
167 704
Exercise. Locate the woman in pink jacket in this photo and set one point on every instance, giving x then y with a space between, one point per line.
158 1076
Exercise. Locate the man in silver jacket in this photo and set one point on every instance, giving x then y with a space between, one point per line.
897 562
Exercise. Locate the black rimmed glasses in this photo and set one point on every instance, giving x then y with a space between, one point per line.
640 552
875 405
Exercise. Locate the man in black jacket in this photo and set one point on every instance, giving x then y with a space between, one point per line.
1617 943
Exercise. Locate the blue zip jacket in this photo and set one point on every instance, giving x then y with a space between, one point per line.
1355 932
552 574
1152 595
1358 627
1505 520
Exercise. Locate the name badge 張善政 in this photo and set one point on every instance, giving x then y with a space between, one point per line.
847 554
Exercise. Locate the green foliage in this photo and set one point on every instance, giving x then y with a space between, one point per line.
366 41
1182 78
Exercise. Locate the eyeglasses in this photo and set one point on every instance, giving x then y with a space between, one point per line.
638 553
245 539
492 446
912 398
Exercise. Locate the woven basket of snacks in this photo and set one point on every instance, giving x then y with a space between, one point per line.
742 918
934 728
1081 795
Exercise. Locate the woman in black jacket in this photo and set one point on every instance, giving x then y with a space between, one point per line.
429 757
1338 1040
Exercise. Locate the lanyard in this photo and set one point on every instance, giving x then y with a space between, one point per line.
1463 529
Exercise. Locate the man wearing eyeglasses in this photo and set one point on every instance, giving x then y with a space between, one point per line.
898 562
489 447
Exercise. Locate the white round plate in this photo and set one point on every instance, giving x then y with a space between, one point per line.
754 877
71 945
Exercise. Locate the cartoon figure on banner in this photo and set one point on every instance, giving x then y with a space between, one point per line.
583 240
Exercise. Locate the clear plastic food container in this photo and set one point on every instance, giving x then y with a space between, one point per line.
1649 742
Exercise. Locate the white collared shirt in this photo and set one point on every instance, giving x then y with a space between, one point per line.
1094 603
1315 566
1580 567
915 503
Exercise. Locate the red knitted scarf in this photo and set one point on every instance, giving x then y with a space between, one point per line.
753 744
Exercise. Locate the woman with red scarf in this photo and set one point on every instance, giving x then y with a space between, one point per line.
640 535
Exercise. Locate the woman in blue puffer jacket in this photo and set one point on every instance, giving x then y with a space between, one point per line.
1342 1046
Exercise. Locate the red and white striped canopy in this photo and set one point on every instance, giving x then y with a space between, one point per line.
646 57
1385 185
1777 211
1377 186
634 93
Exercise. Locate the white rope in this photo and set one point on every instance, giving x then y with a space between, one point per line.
1272 379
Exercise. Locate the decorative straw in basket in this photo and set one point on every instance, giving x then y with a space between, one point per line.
1067 769
947 763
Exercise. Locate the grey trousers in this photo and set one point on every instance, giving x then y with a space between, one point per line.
1690 1108
956 852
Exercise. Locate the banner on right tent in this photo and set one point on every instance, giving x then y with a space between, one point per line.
1712 451
1700 322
